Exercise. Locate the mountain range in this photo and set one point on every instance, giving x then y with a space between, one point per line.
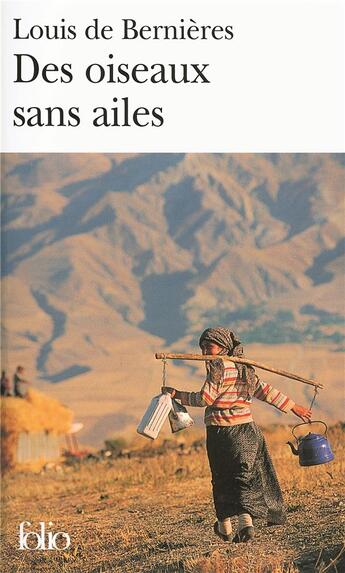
108 258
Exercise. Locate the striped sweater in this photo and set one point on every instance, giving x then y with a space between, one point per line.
228 403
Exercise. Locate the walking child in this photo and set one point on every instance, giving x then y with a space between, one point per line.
244 481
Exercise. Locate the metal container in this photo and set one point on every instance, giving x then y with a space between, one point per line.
155 416
179 418
312 449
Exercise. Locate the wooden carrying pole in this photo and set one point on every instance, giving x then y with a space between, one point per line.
162 356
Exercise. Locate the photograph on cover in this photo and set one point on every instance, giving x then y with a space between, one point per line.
116 454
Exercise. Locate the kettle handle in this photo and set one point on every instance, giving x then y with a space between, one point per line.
308 424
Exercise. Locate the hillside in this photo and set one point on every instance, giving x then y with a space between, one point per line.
108 258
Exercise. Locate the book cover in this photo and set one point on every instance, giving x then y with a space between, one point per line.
168 169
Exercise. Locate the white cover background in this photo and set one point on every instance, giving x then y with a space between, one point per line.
278 86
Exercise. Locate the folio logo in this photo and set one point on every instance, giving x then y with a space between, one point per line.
46 540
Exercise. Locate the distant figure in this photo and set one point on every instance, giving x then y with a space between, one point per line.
5 384
18 383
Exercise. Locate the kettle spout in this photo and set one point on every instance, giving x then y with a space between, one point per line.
293 448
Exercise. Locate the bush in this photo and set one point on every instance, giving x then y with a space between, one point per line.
115 445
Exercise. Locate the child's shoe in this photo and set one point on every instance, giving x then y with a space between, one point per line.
221 535
244 535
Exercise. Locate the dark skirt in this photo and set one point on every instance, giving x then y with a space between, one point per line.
243 476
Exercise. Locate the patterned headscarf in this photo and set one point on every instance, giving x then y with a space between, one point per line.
231 346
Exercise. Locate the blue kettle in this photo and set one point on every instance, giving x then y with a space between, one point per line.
312 449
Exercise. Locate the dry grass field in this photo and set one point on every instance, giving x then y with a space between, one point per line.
152 512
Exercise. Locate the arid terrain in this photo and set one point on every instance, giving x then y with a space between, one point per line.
110 258
151 511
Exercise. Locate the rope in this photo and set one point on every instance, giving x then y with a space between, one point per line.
313 400
164 373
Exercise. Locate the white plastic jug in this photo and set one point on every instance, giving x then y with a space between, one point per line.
155 416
